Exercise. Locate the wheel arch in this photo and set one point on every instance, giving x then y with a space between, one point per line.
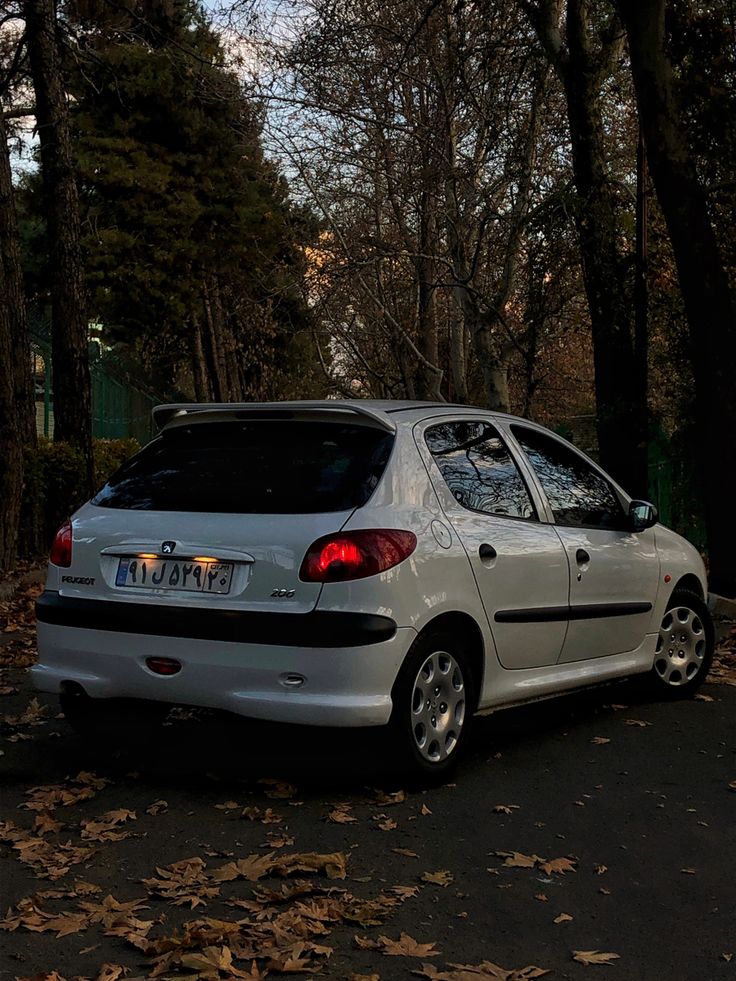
464 625
691 583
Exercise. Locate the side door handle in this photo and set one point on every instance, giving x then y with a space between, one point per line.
582 557
487 553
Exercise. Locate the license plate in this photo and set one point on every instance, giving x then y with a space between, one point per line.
194 577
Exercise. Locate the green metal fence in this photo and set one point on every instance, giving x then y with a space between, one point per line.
120 409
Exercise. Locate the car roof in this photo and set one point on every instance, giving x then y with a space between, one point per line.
386 413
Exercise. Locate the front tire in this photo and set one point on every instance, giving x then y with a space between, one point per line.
434 698
684 647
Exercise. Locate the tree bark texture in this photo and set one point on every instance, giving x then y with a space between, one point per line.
214 347
14 300
620 397
709 301
69 342
202 392
12 328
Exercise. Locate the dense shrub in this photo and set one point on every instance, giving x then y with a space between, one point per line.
53 487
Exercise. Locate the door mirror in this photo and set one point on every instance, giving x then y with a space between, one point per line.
643 515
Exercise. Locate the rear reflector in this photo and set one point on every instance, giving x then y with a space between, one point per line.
163 665
356 554
61 548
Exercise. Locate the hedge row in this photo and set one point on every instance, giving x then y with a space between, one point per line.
53 486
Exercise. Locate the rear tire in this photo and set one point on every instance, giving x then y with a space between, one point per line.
113 721
684 648
434 698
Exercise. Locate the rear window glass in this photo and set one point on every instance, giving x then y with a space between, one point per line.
260 467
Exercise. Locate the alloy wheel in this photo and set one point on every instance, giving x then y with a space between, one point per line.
438 706
681 646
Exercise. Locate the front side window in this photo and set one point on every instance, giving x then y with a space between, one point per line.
578 495
479 470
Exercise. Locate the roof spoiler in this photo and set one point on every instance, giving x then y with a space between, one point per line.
164 414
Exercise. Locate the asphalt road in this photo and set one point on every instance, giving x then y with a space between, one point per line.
643 812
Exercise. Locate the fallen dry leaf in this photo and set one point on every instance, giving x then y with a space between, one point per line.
636 722
443 877
256 867
405 892
558 865
405 851
485 971
279 839
111 972
505 808
269 816
82 787
279 789
517 860
425 810
103 828
562 918
384 799
46 824
600 740
593 957
158 807
406 946
340 814
184 883
384 822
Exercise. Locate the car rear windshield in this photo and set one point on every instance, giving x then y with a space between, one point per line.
257 467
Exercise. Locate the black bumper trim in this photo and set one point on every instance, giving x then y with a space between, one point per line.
319 628
555 614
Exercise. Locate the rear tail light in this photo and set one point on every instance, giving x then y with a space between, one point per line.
356 554
61 549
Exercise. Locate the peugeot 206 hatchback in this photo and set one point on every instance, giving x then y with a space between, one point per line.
394 564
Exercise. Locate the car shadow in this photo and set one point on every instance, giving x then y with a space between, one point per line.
200 745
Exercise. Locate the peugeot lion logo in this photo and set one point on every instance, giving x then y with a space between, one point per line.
168 547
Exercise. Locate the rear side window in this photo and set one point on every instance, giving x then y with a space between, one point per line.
257 467
479 470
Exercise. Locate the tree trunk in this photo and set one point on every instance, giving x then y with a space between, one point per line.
14 300
621 401
69 343
458 359
428 381
709 302
215 352
13 337
199 366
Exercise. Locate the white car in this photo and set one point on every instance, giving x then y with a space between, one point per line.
362 563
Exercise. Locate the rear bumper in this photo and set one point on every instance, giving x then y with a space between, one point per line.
319 628
343 686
